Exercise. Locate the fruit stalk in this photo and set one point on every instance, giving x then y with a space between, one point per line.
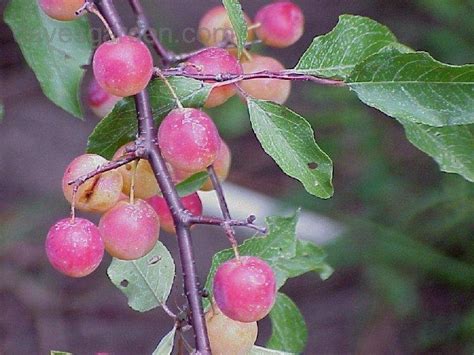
224 208
147 134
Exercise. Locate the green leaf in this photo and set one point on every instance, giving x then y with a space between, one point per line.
335 54
278 243
55 50
289 332
237 19
308 258
2 112
258 350
192 184
416 88
146 281
289 139
165 347
399 47
54 352
120 126
451 147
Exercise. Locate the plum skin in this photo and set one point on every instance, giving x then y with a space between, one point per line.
61 10
281 24
146 185
221 166
123 66
97 194
130 230
74 247
100 101
189 139
265 89
245 288
192 203
213 61
227 336
215 26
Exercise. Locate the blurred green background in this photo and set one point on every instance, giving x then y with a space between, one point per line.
407 256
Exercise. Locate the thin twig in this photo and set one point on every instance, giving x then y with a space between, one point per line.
214 221
229 231
111 165
227 78
167 57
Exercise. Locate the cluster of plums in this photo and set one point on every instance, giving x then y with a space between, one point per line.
244 288
129 228
124 66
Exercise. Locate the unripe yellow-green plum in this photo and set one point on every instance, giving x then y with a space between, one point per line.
227 336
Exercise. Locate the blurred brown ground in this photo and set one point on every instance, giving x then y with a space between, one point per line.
40 310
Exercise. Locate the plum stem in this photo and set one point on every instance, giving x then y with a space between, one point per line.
225 209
